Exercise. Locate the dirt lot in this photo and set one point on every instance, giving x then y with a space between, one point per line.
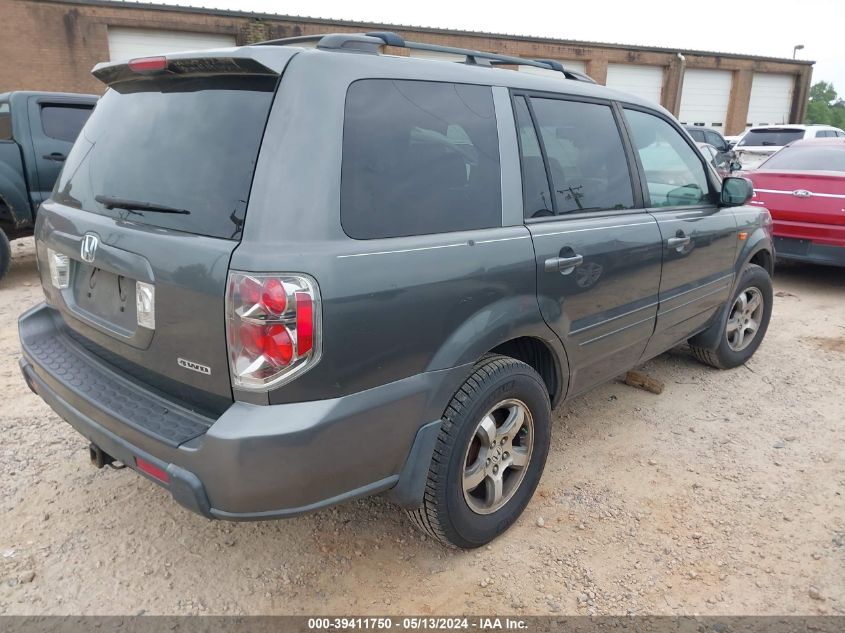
723 495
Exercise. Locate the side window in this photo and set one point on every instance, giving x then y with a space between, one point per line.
586 158
5 122
419 157
536 197
673 170
697 135
715 140
823 134
63 122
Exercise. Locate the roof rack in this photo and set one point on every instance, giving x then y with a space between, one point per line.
373 41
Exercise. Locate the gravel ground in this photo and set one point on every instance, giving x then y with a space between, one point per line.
722 495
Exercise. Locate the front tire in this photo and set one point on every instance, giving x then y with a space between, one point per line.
749 312
489 455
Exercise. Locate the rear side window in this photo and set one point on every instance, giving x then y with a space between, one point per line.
419 157
63 122
585 156
808 158
697 135
536 197
184 148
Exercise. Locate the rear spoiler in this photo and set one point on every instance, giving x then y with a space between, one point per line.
232 61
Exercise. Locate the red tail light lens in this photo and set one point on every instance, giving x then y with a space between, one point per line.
273 328
304 322
147 64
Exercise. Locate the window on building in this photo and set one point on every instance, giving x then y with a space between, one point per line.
674 172
64 122
585 156
418 158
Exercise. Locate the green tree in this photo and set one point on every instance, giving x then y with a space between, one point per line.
825 106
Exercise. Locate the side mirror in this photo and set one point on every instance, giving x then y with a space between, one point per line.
736 191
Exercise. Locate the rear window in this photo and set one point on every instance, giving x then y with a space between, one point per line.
418 158
64 122
808 158
185 145
772 138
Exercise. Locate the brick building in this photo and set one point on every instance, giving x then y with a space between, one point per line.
53 44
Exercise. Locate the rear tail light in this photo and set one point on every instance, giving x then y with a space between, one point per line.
59 269
272 328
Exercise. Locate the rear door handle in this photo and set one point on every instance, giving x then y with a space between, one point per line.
56 156
563 265
677 242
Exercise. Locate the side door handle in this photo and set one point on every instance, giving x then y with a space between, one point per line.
563 265
678 242
56 156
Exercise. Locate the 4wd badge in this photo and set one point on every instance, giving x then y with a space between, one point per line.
189 364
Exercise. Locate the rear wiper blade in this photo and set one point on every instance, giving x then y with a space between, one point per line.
110 202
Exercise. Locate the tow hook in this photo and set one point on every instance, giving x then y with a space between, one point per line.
99 457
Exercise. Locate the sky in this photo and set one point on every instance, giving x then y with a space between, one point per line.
755 27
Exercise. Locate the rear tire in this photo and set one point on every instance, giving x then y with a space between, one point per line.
749 312
5 253
489 455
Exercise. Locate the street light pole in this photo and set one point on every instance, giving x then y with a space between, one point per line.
796 48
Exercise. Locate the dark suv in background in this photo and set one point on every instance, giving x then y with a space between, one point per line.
278 278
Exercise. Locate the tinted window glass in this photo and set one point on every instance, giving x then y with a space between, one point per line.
586 157
775 137
536 197
715 140
419 157
189 144
808 158
673 170
5 122
697 135
63 122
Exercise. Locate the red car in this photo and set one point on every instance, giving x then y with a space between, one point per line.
803 187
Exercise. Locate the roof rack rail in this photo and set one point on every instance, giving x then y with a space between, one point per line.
373 41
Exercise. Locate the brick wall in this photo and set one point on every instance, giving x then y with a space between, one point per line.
52 45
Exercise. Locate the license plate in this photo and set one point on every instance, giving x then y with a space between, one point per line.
105 295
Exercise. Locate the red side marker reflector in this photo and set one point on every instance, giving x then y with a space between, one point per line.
147 64
304 323
153 471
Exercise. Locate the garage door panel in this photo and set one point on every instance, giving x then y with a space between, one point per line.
705 97
771 99
129 43
645 82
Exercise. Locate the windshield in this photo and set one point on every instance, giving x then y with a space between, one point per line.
774 137
188 144
808 158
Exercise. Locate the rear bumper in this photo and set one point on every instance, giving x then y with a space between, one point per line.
253 462
803 250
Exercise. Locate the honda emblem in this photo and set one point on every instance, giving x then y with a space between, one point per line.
88 250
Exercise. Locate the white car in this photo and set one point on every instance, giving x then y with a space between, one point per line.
758 143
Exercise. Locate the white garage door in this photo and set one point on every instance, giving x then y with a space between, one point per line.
645 82
705 97
577 66
771 99
128 43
